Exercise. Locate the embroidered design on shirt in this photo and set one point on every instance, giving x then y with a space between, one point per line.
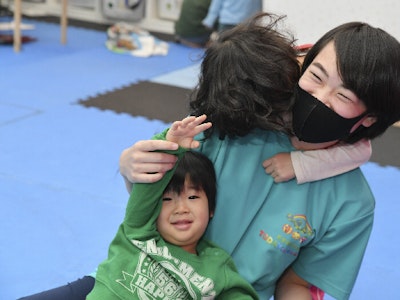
300 229
294 233
169 278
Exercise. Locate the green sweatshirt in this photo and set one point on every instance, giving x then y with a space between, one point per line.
192 14
141 265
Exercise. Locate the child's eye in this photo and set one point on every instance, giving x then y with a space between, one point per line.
193 197
166 199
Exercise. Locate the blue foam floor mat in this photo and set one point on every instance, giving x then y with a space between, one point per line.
62 196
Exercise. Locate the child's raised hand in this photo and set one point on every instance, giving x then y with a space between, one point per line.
183 132
279 167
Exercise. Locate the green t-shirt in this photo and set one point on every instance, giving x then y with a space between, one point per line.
192 14
141 265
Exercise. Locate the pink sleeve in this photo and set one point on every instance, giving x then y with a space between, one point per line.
324 163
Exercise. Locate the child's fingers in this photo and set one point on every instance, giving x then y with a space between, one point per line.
201 118
176 125
267 165
188 120
194 121
203 126
195 144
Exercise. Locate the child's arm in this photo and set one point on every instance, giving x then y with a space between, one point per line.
145 197
314 165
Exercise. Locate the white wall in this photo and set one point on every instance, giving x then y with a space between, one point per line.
310 19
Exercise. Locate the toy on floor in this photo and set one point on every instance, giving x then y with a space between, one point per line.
128 39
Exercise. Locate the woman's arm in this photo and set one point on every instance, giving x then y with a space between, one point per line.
141 164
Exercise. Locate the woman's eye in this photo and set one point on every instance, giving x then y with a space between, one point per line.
315 76
344 98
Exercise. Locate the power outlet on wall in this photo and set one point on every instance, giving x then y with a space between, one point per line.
169 9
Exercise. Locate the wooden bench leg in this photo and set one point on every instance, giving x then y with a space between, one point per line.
17 25
64 21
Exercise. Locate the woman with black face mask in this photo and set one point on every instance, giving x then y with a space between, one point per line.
334 107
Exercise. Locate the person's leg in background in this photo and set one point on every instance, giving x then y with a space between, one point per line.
76 290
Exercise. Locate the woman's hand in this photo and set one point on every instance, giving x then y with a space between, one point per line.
139 163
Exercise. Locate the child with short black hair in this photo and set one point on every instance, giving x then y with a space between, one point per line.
159 252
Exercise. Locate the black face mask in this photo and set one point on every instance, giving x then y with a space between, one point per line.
314 122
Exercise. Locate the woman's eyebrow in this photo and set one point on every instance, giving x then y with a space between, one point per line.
321 67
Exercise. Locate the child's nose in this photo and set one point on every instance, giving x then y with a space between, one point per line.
181 206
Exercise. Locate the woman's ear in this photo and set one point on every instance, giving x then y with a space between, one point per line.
211 214
368 121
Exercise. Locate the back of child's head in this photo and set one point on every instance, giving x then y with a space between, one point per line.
368 61
200 170
247 78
